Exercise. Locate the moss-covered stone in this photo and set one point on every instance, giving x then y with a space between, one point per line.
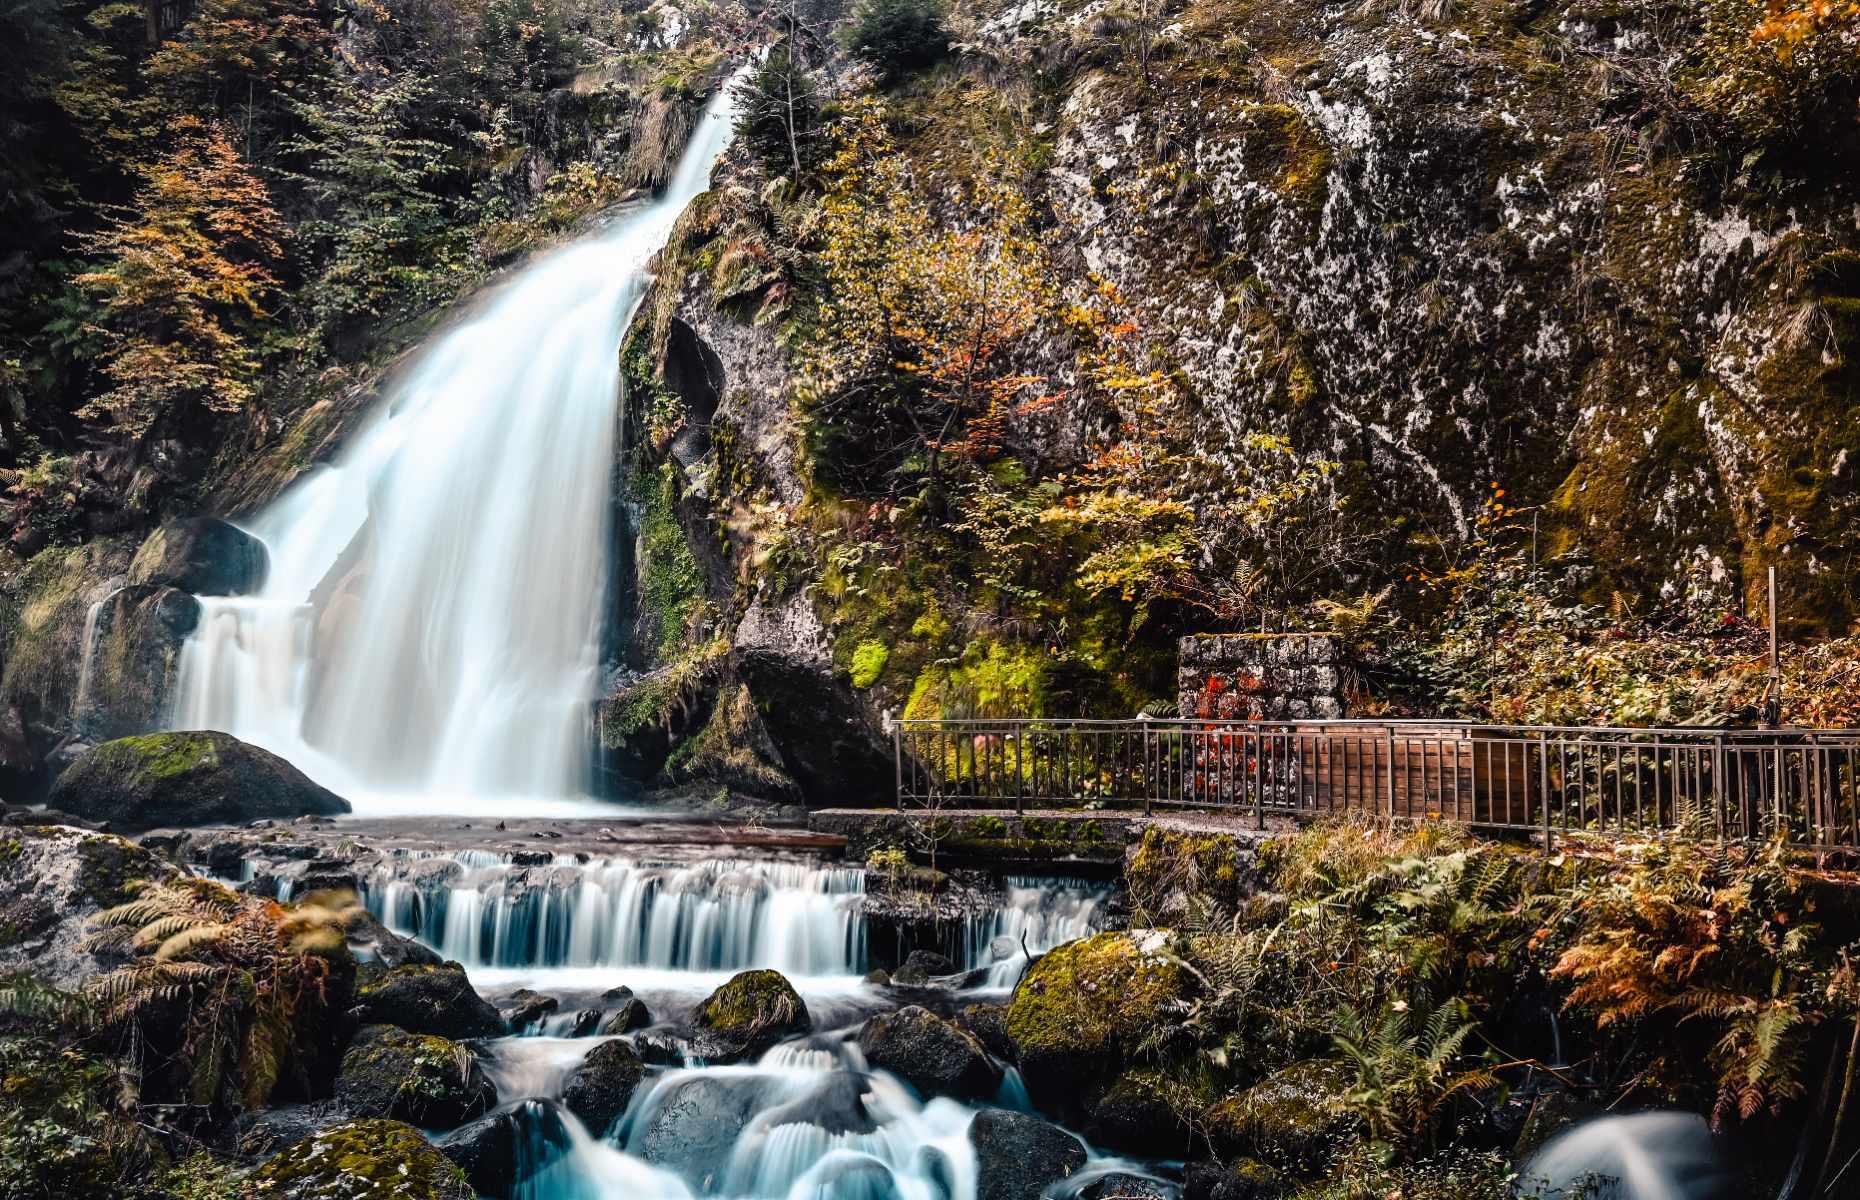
361 1160
934 1056
429 1081
749 1014
1290 1120
1146 1112
1174 875
187 779
603 1084
432 998
1081 1011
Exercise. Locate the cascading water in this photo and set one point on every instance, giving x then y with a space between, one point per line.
572 914
428 637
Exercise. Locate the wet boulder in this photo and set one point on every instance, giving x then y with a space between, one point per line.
1148 1114
1017 1157
427 1081
187 779
987 1024
1237 1179
487 1151
836 1104
585 1022
1081 1011
748 1015
52 881
360 1160
130 665
202 555
626 1012
602 1086
425 998
691 1123
921 968
523 1008
931 1054
1122 1185
372 942
1289 1121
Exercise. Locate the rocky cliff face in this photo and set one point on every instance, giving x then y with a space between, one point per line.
1541 252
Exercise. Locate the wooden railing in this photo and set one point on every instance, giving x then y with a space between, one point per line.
1546 779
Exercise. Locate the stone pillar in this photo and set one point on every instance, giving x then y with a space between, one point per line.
1260 676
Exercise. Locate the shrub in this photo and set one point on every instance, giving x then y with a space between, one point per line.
868 663
778 115
898 37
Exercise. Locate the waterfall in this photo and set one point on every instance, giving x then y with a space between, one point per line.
713 915
565 912
429 633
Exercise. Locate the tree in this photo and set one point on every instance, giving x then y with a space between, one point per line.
778 117
377 237
183 271
898 37
923 324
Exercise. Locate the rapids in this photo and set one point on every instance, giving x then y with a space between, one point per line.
428 638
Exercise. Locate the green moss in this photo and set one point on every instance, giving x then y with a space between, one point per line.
671 587
1174 872
362 1160
1290 1120
868 663
111 868
1097 998
167 755
752 1001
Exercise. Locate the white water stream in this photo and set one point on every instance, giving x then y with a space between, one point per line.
428 638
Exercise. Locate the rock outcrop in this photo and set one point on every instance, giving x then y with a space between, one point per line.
52 881
187 779
202 555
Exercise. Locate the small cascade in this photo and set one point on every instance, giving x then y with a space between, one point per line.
1641 1156
1039 914
713 915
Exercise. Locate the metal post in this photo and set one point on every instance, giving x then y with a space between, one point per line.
897 755
1772 695
1543 782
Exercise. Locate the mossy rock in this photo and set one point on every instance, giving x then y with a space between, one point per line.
361 1160
603 1085
1080 1012
202 555
1147 1113
1289 1120
53 879
419 997
934 1056
749 1014
187 779
429 1081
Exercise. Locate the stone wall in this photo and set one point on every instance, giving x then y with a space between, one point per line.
1269 676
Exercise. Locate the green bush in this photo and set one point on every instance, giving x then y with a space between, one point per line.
898 37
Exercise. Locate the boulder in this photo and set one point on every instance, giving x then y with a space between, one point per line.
360 1160
1238 1179
1121 1185
1289 1121
187 779
749 1014
1080 1012
53 879
132 661
372 942
487 1150
585 1022
922 967
599 1089
987 1024
1017 1157
428 1081
202 555
692 1122
931 1054
627 1012
1147 1114
523 1008
425 998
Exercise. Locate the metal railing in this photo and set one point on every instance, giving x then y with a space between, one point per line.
1545 779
